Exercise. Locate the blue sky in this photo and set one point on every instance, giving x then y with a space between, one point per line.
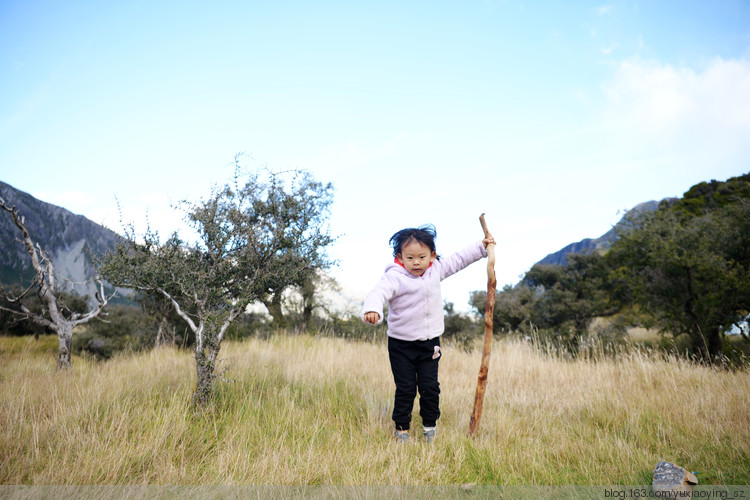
551 117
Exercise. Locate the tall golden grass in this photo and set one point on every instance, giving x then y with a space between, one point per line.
314 410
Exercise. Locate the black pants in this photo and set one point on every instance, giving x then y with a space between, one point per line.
414 370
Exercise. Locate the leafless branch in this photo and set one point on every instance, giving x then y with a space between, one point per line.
54 315
179 310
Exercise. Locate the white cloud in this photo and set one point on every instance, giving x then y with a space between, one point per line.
683 114
640 44
663 95
611 48
604 10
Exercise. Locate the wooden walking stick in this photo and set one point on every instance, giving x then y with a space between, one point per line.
476 413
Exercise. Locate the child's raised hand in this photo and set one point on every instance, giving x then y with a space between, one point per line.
488 241
372 317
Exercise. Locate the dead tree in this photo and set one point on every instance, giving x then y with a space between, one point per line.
53 315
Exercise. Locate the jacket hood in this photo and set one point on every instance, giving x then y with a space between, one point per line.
398 268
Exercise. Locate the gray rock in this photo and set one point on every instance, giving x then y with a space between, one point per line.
671 477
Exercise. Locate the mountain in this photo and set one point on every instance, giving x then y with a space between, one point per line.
603 242
69 239
700 198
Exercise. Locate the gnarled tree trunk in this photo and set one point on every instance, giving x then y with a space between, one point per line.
204 370
273 305
65 345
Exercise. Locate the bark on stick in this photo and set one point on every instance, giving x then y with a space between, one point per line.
476 413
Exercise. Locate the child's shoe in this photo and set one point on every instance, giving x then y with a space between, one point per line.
402 436
429 433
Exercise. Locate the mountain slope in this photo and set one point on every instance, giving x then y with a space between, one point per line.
600 244
69 239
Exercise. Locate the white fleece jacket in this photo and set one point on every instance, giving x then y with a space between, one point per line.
415 305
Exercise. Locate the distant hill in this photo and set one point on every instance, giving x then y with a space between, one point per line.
69 239
600 244
700 198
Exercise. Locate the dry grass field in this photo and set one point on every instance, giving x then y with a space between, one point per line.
316 410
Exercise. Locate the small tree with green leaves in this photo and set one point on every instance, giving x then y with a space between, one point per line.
574 294
268 229
514 310
690 273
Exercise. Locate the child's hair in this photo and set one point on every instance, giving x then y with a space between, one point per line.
423 234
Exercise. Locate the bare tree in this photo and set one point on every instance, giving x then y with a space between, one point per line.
53 314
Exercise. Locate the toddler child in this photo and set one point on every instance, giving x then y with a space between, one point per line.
411 288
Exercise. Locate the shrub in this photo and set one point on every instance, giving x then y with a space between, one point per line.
125 328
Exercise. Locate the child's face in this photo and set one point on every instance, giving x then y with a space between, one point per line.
416 257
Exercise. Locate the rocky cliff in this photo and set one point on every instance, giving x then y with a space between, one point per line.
70 240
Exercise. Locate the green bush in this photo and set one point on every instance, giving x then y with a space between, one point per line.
124 328
460 329
250 325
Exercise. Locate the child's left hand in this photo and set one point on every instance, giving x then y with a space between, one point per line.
488 241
